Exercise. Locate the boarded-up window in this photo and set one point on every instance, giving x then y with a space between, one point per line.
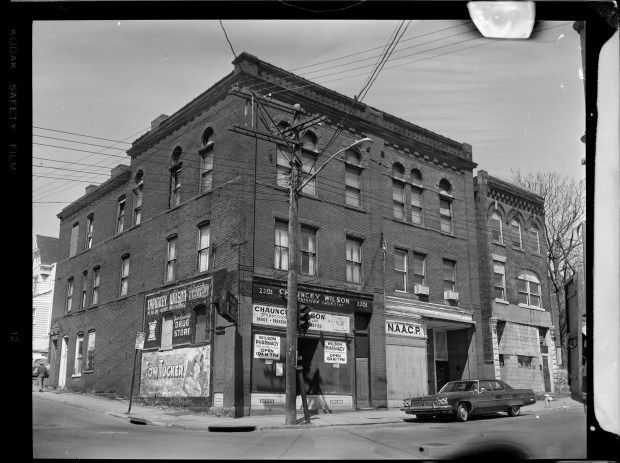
74 239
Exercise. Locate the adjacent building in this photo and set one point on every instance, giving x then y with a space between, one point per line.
44 258
184 253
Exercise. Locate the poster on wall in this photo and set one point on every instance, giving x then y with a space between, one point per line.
319 321
266 347
335 352
176 373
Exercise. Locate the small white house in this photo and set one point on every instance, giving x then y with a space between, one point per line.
44 257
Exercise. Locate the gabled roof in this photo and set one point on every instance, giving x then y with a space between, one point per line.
48 248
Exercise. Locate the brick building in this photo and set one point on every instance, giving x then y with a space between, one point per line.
189 245
44 258
517 323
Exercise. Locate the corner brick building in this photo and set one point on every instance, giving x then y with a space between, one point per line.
189 245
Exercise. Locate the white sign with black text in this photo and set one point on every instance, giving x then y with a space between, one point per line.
404 329
266 347
335 352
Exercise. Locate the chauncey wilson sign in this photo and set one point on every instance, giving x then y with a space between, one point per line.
176 373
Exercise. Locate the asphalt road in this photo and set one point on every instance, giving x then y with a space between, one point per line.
63 431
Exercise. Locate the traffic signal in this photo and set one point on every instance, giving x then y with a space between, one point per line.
303 320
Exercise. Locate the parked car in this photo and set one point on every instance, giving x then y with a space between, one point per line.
470 397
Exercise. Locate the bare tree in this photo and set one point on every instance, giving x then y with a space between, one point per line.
565 210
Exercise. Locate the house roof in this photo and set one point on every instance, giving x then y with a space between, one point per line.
48 248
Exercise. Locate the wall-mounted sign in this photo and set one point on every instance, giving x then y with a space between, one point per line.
319 321
266 347
404 329
140 340
176 373
335 352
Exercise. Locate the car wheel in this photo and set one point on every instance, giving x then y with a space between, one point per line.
514 411
462 413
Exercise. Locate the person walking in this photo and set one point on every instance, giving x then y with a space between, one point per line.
41 373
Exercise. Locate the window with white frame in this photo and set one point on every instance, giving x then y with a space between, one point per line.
353 179
280 257
445 206
166 331
120 215
171 258
69 301
84 296
416 197
354 260
90 352
308 251
79 346
398 191
90 219
535 237
137 198
206 160
74 239
499 280
516 234
95 287
308 167
419 269
124 286
204 246
528 287
495 223
449 275
400 270
175 178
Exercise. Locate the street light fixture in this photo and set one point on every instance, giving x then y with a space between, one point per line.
291 306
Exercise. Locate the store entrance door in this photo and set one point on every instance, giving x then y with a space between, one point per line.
62 374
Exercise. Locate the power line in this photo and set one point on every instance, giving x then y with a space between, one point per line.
226 35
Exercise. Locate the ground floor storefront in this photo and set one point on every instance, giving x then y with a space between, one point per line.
427 345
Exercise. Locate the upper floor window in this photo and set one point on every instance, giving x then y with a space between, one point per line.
445 206
308 167
79 345
416 205
204 238
400 270
353 179
74 239
449 275
280 258
308 141
283 161
308 251
175 177
354 261
495 222
419 269
398 191
535 237
95 287
516 234
206 160
120 215
416 177
84 296
35 284
528 287
166 331
90 352
124 275
89 231
137 198
499 280
69 301
171 258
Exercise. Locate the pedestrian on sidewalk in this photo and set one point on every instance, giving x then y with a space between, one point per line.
41 374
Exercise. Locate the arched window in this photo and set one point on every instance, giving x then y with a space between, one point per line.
353 178
206 160
137 198
416 197
308 161
120 215
445 206
200 324
496 227
283 158
309 141
398 191
528 287
535 237
175 177
516 234
90 220
166 331
416 177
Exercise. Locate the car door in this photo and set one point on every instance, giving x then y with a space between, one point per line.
502 395
486 398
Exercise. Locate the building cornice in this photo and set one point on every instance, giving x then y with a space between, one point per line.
409 307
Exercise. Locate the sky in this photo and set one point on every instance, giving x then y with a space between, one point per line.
97 85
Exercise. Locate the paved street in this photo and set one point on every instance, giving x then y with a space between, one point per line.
86 430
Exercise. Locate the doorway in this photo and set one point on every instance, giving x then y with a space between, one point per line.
62 373
546 375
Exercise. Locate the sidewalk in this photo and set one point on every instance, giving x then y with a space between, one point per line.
189 420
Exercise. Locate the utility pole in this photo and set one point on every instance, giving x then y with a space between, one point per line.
295 187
